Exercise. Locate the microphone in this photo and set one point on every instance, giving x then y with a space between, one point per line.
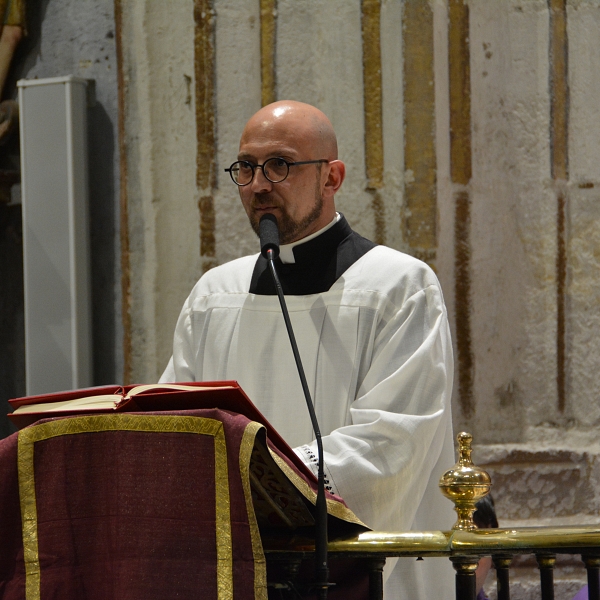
268 233
269 248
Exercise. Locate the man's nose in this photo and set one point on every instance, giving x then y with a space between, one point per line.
259 182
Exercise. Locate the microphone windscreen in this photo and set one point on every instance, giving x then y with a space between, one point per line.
268 233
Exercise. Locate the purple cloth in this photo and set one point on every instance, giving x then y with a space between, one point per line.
481 595
582 594
132 514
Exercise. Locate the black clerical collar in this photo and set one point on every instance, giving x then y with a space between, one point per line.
286 251
319 263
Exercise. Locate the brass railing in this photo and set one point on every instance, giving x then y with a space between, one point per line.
464 549
465 544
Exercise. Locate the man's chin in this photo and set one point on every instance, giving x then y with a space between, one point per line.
288 229
255 224
257 213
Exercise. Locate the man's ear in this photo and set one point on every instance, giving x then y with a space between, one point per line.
337 172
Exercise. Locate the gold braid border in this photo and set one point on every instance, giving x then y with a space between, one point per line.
260 563
150 423
337 509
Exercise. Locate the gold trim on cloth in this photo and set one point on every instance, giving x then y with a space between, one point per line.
28 514
337 509
150 423
260 563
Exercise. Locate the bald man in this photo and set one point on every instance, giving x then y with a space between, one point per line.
371 328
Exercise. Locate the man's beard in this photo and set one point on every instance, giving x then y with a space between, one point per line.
288 228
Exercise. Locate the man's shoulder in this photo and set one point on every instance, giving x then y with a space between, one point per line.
386 260
398 258
390 272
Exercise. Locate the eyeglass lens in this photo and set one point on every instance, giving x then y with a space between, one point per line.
274 169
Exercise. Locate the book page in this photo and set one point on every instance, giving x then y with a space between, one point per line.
109 401
79 404
157 387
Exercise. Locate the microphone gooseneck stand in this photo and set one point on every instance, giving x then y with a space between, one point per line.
269 243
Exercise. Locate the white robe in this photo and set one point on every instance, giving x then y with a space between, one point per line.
378 360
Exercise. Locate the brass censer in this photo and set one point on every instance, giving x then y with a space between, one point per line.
465 484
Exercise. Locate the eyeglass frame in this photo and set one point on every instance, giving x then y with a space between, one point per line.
254 167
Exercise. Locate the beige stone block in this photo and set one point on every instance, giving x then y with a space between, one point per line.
535 484
583 314
238 97
583 30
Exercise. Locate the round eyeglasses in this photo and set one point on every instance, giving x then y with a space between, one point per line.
275 169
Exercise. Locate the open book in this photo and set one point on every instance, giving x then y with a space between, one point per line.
90 401
226 395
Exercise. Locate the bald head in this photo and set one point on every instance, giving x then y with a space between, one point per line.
288 120
301 136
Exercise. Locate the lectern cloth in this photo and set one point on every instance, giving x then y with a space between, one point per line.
377 354
130 506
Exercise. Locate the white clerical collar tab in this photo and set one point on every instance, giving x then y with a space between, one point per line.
286 251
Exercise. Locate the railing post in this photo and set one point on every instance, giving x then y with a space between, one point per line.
465 567
502 563
287 570
592 564
546 564
376 578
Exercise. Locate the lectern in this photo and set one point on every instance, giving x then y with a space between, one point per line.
157 504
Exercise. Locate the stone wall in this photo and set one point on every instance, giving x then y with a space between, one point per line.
471 133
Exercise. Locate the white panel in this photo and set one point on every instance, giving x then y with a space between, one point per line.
55 234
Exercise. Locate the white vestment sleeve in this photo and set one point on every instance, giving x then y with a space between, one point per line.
387 462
